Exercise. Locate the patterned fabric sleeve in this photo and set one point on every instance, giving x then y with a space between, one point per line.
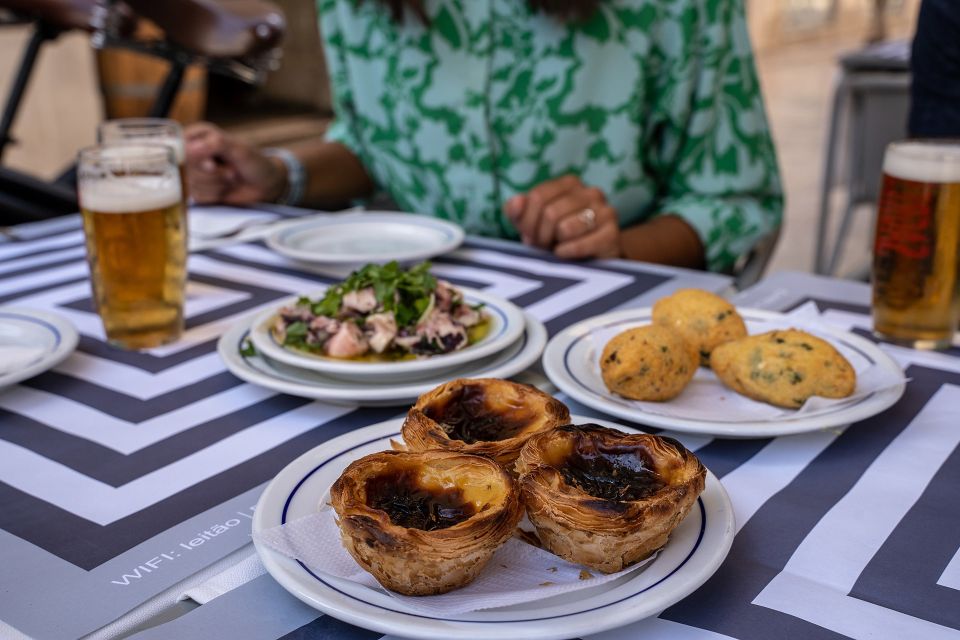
708 142
342 128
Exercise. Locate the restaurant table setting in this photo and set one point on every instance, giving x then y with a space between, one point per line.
848 531
125 473
185 477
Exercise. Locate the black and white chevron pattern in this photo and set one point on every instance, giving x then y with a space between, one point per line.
113 448
842 533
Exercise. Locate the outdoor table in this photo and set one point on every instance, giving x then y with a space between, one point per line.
115 463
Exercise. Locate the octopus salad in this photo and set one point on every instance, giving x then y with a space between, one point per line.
383 313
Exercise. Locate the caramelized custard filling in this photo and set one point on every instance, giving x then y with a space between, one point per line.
610 472
412 506
465 416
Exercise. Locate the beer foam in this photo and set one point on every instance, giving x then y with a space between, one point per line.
174 143
129 194
923 161
144 130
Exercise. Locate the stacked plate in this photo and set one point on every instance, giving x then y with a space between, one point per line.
697 547
513 342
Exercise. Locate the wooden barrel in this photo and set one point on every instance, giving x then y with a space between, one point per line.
130 81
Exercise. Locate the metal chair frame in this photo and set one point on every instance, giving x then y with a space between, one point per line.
25 198
851 91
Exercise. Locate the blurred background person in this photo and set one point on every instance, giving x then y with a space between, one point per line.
935 64
74 87
592 129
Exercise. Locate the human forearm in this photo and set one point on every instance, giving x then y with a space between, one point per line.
224 169
664 239
334 174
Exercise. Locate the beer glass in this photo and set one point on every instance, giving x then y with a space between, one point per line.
916 256
150 131
135 228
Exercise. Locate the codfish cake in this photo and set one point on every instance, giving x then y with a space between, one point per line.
784 368
648 363
704 319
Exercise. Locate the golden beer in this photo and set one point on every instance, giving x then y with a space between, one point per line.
135 230
916 257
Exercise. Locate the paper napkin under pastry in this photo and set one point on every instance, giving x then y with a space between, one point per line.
706 398
518 572
15 357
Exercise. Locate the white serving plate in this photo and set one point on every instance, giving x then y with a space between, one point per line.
369 236
571 362
506 325
695 551
32 342
261 370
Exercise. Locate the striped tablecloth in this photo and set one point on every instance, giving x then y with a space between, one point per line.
843 533
125 475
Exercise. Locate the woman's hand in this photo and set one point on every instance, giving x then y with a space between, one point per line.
223 169
567 217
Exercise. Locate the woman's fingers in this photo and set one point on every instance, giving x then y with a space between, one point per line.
207 177
567 205
602 242
564 214
584 221
536 201
203 143
221 168
209 186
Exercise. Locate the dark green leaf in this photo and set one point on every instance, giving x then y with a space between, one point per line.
296 333
404 292
330 303
247 350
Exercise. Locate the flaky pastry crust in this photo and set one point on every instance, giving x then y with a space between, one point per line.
606 499
427 522
483 416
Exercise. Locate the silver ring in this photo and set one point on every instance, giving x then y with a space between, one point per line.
588 217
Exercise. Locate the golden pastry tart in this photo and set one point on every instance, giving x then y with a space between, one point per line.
606 499
484 416
425 523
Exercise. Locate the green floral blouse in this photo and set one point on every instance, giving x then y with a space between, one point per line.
656 102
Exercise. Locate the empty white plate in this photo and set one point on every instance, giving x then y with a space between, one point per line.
370 236
506 325
32 342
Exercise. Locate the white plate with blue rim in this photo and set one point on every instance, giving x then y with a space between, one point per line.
572 362
256 368
694 552
366 236
506 324
32 342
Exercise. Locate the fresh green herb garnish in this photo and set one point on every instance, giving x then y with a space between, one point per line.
296 333
247 349
404 292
